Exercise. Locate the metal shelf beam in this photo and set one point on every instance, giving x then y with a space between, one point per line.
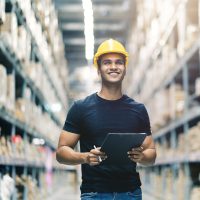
192 114
12 120
184 158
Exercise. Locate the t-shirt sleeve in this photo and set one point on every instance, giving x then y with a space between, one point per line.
146 127
72 122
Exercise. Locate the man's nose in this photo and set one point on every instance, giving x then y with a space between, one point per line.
113 65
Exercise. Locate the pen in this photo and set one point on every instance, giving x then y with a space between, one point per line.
99 158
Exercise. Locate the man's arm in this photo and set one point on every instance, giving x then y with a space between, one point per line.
146 154
65 153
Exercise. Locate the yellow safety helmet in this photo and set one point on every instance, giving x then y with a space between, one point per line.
110 46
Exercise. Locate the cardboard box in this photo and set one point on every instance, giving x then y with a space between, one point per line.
24 45
9 27
176 101
193 138
10 103
22 110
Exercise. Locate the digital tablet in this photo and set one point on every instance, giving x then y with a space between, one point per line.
116 146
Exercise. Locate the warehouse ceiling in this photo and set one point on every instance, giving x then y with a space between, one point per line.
112 19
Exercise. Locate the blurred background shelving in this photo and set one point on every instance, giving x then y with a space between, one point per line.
165 77
43 69
33 100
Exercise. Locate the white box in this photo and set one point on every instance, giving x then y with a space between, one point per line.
197 86
10 28
2 11
3 85
22 40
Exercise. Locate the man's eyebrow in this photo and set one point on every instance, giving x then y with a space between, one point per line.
119 59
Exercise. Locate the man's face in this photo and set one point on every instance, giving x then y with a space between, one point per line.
112 68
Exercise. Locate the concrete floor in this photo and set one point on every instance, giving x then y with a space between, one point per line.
70 192
65 193
66 187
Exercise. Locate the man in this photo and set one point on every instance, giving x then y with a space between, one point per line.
91 119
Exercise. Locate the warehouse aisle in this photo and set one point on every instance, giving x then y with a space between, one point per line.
69 191
44 69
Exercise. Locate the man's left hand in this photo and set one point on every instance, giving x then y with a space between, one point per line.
136 154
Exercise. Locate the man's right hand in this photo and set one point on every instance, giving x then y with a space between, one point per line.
95 157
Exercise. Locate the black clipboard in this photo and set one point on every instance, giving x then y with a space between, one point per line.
116 146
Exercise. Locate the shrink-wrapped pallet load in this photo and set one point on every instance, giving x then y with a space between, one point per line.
3 85
9 30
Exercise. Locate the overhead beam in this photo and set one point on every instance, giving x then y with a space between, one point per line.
69 8
100 11
58 2
97 8
74 41
72 26
97 27
81 41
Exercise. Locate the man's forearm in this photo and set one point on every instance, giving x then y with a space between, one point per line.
68 156
149 157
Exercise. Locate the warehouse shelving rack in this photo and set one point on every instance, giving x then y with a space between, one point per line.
14 165
36 51
10 57
179 66
160 43
184 72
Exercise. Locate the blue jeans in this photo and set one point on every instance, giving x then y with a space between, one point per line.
135 195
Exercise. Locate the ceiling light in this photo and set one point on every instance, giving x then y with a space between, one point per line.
88 29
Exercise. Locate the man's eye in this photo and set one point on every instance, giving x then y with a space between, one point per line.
120 62
107 63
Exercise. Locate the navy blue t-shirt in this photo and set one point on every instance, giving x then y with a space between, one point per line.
93 118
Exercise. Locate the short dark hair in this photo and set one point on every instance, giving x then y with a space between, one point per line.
99 62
